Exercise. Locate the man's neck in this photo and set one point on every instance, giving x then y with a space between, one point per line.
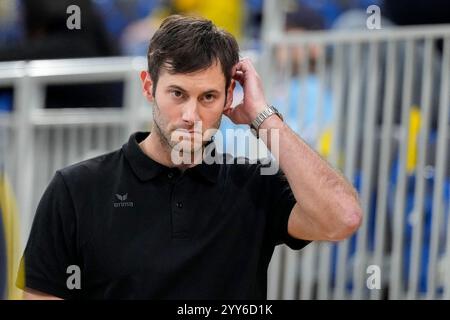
155 148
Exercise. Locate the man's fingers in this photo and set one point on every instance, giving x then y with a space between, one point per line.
242 70
244 65
239 76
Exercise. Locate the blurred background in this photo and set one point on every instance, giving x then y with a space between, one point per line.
366 83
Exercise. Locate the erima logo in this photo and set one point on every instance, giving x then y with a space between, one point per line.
122 202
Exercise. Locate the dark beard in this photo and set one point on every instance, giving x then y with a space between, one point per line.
162 138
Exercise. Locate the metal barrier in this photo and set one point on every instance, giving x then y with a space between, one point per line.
388 92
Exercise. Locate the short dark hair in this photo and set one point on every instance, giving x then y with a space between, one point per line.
185 44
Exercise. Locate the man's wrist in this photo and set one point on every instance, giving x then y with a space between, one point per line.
263 115
274 121
267 119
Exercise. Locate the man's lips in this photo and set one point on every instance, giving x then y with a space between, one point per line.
185 134
188 131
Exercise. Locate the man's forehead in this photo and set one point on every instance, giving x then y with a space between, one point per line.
211 78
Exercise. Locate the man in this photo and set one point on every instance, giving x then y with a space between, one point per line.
133 224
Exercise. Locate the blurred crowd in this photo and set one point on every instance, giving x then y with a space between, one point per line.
33 29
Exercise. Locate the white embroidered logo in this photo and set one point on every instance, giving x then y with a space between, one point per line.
122 202
122 198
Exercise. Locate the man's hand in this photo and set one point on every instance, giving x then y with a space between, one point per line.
254 100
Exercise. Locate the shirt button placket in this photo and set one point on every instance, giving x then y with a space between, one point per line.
178 218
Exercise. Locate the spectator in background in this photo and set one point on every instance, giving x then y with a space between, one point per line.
252 24
227 14
299 98
134 39
118 14
47 37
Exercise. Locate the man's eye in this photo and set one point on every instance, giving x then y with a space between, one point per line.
208 97
177 94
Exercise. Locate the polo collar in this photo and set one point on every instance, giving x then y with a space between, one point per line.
146 168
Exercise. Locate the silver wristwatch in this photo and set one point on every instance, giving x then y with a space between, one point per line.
270 110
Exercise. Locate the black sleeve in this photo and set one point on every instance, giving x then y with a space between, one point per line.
51 246
282 201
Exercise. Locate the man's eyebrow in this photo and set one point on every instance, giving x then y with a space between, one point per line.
173 86
209 91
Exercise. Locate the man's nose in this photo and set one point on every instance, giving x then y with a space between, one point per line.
190 112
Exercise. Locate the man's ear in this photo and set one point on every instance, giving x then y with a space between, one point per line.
230 92
147 85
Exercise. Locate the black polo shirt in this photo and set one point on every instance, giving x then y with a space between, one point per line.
140 230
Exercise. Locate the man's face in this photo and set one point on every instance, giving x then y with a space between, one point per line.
188 105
